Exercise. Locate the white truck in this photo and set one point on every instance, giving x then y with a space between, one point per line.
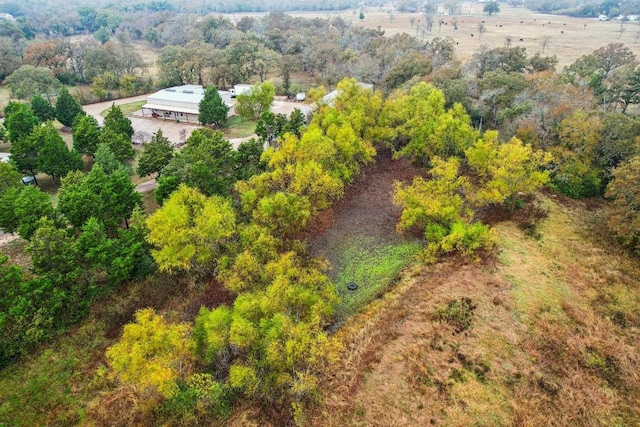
239 89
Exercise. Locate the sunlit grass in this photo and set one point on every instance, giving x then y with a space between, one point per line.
373 266
50 388
126 108
238 127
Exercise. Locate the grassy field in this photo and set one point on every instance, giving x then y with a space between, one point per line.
238 127
567 38
373 266
127 108
545 334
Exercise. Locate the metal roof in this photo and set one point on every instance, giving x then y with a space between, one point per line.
190 94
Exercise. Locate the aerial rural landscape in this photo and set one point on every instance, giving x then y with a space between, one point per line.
329 213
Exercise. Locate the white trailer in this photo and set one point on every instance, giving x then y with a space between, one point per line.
239 89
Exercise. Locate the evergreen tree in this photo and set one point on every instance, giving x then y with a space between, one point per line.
116 121
119 143
157 154
54 158
9 177
213 110
67 108
106 159
42 108
20 121
86 134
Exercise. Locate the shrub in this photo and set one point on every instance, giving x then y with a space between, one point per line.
458 313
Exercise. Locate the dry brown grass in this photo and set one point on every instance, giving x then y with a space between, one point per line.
563 36
553 339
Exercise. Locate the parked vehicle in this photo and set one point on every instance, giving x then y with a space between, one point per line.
239 89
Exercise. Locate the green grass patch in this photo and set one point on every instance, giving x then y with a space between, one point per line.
238 127
52 387
373 266
127 108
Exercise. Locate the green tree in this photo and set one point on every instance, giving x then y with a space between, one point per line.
67 108
31 205
86 134
190 229
24 320
9 177
507 172
20 121
108 197
152 354
28 80
284 214
54 158
118 143
491 7
270 127
439 209
206 163
117 193
212 109
276 330
51 252
247 159
107 159
258 100
103 34
42 108
156 155
429 129
117 122
76 201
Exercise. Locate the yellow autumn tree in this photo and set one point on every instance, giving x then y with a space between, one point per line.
274 331
507 172
438 207
624 192
189 229
152 354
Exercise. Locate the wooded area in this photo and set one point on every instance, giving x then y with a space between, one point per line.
487 136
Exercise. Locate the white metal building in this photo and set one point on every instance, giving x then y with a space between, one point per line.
178 103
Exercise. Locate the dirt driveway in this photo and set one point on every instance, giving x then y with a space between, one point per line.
171 129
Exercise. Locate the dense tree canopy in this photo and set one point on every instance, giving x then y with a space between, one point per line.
67 108
156 155
213 110
27 81
190 229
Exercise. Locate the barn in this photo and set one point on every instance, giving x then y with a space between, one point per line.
179 103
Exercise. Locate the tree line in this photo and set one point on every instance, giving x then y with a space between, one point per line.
488 133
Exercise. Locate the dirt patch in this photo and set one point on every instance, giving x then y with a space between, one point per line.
366 209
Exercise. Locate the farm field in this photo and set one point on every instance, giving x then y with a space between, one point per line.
566 37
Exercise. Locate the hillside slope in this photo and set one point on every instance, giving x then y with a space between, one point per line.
547 335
